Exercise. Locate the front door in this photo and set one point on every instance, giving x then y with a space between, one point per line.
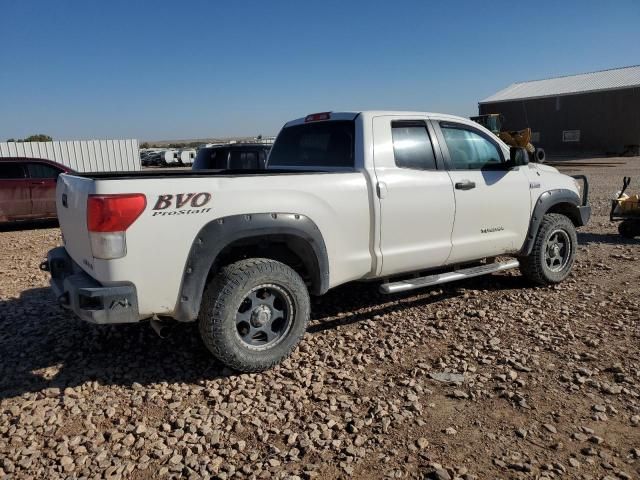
493 202
415 195
42 179
15 193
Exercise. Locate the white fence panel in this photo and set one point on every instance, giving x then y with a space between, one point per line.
80 155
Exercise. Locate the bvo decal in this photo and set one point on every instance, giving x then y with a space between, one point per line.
181 203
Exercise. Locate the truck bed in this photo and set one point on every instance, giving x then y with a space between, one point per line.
158 244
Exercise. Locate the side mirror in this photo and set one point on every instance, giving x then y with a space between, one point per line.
518 157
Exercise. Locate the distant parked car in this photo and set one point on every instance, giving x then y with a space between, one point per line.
232 156
150 157
28 188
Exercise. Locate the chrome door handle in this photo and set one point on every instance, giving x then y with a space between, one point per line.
465 185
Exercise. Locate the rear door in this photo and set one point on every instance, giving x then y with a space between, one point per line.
42 180
415 193
492 200
15 194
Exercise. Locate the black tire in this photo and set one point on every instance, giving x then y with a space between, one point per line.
246 303
629 228
548 263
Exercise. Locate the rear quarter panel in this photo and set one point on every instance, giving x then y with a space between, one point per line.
158 244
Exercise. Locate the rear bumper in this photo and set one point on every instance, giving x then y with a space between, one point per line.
85 296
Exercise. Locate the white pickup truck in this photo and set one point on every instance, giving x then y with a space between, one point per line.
409 199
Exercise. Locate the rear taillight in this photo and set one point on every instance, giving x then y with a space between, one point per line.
114 213
108 217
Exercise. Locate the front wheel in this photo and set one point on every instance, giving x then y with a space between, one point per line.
253 314
553 253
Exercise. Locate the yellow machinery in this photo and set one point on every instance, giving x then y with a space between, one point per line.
627 209
514 138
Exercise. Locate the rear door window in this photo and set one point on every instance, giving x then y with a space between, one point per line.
11 171
412 146
321 144
42 170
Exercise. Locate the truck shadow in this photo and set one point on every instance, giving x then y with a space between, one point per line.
589 238
357 302
45 347
28 225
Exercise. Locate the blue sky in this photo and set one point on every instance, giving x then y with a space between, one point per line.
193 69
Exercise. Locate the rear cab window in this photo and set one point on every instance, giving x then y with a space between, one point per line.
12 171
317 144
43 171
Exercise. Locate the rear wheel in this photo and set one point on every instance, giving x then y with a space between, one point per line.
629 228
553 253
253 314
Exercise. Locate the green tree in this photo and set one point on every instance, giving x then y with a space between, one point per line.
145 145
39 137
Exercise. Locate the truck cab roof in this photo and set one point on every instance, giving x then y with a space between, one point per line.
368 114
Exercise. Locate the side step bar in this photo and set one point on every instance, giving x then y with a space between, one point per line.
437 279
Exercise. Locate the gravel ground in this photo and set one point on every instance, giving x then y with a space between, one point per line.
489 378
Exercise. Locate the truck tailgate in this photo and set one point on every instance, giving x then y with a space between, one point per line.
71 204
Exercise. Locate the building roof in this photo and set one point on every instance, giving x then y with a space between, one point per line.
614 79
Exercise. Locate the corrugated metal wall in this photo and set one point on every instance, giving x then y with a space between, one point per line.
608 121
80 155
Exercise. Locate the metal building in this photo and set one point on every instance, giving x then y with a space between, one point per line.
80 155
596 112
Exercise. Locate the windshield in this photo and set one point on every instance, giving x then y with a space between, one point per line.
321 144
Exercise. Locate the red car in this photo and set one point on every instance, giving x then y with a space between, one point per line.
28 188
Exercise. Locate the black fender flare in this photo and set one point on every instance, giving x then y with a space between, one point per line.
578 212
219 233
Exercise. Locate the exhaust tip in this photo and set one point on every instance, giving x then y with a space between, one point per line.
163 329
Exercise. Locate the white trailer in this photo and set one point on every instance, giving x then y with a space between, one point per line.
170 157
187 156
